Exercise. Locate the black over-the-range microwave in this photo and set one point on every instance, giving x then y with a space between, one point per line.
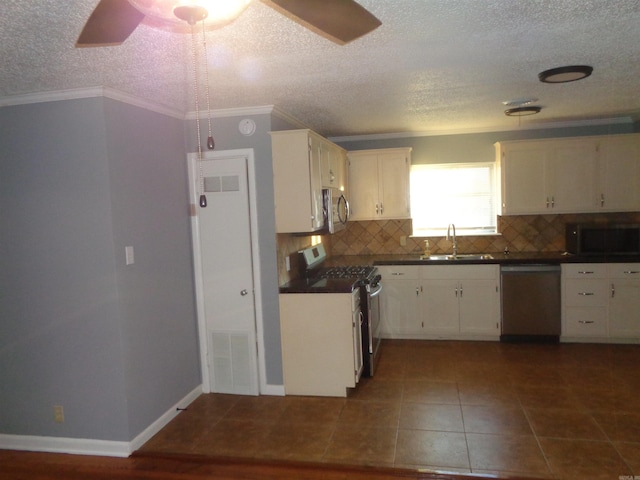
594 239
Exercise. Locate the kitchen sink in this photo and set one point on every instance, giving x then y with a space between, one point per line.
460 256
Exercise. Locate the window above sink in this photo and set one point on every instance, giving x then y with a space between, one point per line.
466 194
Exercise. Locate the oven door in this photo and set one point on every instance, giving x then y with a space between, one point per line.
372 327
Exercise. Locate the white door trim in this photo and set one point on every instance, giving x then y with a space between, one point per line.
192 158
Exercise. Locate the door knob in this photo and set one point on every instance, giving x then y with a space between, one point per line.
243 292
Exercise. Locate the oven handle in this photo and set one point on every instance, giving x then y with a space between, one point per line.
375 291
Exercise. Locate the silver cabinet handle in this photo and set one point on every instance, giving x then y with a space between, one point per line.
244 292
613 290
602 199
586 322
585 272
397 273
631 272
586 293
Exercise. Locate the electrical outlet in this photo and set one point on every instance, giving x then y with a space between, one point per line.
58 414
403 241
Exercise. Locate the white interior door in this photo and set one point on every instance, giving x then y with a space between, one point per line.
224 265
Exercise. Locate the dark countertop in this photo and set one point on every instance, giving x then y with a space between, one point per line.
324 285
343 286
555 258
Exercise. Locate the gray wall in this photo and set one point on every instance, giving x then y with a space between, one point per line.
472 147
115 345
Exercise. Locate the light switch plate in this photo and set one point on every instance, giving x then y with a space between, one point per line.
128 253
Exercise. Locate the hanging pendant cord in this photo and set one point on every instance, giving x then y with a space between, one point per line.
203 199
210 142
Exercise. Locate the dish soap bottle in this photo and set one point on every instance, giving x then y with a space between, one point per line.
427 249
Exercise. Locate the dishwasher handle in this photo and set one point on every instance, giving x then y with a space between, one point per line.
530 268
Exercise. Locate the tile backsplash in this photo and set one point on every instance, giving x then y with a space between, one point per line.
521 233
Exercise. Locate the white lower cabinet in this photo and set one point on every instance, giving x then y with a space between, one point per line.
601 302
624 305
321 342
440 301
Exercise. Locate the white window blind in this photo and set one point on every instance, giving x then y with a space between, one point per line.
460 193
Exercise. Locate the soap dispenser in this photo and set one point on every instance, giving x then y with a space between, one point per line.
427 248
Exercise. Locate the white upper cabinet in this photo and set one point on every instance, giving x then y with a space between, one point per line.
548 176
379 183
618 188
570 175
334 166
302 161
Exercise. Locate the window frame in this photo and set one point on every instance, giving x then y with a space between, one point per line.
493 197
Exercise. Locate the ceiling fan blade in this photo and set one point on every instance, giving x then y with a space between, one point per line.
110 23
341 21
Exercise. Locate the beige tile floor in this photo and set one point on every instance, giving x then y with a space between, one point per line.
550 411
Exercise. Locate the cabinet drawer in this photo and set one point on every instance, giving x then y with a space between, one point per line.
391 272
460 272
585 293
584 270
624 270
585 322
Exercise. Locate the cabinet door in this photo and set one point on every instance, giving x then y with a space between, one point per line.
619 174
571 176
523 178
479 307
363 186
440 309
393 173
315 169
400 308
624 305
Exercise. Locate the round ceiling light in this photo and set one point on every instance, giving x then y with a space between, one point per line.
566 74
522 111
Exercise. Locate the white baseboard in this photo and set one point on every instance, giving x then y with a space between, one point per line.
84 446
275 390
161 422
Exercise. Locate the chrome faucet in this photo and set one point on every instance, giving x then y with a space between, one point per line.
455 243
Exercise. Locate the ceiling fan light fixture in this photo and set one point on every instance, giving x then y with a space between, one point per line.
570 73
522 111
177 15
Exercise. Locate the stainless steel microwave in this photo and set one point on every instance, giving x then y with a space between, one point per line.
594 239
335 209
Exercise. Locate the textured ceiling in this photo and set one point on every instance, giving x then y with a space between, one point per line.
433 66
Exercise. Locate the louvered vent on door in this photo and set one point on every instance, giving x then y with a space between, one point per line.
225 183
231 365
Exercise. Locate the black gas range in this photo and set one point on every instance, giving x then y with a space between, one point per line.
313 265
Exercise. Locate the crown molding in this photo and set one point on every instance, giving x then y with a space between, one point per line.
90 92
463 131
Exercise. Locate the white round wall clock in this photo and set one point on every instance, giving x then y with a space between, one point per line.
247 127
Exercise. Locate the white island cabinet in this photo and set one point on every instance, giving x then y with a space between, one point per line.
321 342
441 301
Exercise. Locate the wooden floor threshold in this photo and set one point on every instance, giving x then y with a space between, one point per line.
18 465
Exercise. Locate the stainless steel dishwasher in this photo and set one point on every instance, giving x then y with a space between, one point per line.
530 303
